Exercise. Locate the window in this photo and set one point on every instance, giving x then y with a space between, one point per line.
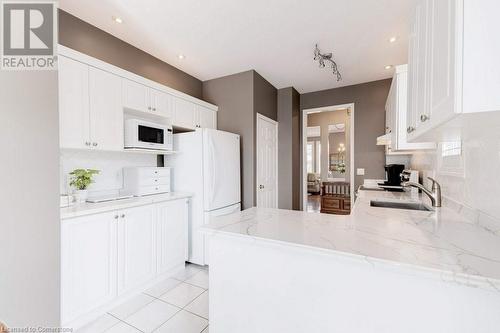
318 157
310 157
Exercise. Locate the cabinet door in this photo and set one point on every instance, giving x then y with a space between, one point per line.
442 61
172 233
74 122
422 62
206 117
136 247
135 96
412 79
390 111
161 102
184 113
88 264
106 113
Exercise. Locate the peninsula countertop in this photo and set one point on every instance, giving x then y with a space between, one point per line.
441 243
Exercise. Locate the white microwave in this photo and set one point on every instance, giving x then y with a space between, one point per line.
140 134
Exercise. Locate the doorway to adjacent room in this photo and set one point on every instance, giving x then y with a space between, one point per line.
328 159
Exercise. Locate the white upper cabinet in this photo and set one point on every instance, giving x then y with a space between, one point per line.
184 113
161 103
397 107
106 113
74 118
135 96
90 111
206 118
442 74
181 112
453 64
95 97
139 97
411 123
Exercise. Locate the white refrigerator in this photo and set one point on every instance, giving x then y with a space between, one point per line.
208 165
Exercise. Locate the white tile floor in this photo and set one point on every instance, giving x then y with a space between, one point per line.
178 305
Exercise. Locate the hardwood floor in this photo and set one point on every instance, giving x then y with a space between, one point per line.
313 203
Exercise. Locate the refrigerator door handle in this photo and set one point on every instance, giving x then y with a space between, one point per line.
212 161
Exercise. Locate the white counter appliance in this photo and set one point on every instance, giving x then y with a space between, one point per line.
140 134
208 165
140 181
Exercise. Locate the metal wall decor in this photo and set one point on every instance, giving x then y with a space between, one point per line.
326 58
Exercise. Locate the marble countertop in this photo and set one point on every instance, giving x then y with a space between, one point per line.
94 208
441 243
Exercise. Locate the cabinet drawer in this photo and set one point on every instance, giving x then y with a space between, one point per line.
154 181
145 173
146 190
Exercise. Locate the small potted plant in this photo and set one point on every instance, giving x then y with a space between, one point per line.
80 181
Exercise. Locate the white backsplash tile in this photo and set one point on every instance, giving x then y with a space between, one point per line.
111 164
473 179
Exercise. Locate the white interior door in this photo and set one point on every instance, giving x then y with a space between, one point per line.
267 162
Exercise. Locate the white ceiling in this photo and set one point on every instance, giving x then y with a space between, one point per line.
274 37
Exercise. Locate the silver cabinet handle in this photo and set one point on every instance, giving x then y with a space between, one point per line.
116 217
87 143
122 216
149 108
424 117
410 129
94 144
154 109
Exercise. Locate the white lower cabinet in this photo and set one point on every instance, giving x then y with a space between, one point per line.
136 247
172 232
105 256
88 264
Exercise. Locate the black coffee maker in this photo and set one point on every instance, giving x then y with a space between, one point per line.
393 174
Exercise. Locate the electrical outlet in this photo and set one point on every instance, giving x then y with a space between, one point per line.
360 171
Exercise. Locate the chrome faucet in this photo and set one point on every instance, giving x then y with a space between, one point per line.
434 194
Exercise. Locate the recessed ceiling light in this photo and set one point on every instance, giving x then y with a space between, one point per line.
181 56
117 19
393 39
388 67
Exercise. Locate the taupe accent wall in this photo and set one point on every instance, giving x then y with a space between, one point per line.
239 97
288 148
86 38
265 97
369 121
234 96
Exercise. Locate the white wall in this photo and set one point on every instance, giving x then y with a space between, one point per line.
473 179
110 164
29 202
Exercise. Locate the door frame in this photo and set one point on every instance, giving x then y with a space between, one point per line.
261 117
305 112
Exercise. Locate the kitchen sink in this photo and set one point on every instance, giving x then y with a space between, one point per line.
401 205
363 188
